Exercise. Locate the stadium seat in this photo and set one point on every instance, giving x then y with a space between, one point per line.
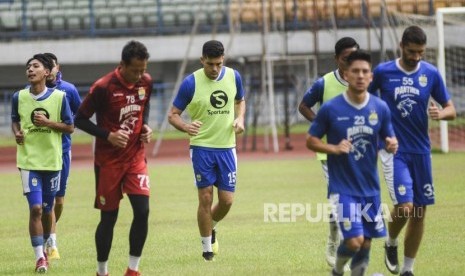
103 18
120 17
136 17
151 16
57 20
40 20
9 21
66 4
51 5
99 4
73 19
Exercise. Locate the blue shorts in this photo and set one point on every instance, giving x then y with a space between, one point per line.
64 174
40 187
409 178
215 167
359 216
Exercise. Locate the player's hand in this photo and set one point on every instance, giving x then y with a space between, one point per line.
193 128
391 144
238 125
19 137
434 111
146 134
343 147
119 138
40 119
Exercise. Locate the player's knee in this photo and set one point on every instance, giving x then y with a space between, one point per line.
404 210
354 244
36 212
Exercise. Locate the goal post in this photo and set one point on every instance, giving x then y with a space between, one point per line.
441 20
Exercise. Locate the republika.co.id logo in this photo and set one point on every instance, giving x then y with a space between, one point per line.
39 110
218 99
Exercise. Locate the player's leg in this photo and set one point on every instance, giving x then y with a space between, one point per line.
423 192
400 189
50 185
204 166
107 199
226 182
138 231
351 228
137 187
51 243
373 227
334 235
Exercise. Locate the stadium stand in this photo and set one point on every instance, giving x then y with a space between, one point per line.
101 17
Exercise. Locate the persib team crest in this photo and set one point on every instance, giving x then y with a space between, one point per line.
423 80
141 93
373 118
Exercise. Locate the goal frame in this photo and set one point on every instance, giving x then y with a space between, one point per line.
441 64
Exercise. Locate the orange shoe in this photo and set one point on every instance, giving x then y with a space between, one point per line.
130 272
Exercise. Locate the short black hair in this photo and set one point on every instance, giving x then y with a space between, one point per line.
345 43
358 55
213 48
44 59
134 49
415 35
52 56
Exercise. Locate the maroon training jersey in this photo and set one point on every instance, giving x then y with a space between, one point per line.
118 105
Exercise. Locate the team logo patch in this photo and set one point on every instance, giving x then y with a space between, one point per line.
39 111
347 225
102 200
402 190
218 99
373 118
34 181
141 93
423 80
198 177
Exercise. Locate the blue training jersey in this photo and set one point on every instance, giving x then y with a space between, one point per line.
187 88
74 101
407 95
355 173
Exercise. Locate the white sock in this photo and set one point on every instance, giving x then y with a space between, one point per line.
207 244
391 242
134 263
408 264
39 252
214 223
340 263
102 268
53 238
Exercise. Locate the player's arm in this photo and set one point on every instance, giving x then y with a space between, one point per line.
15 120
146 132
238 123
65 126
239 106
183 98
316 144
310 98
174 118
446 113
306 111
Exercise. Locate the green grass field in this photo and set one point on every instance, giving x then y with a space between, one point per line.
248 245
